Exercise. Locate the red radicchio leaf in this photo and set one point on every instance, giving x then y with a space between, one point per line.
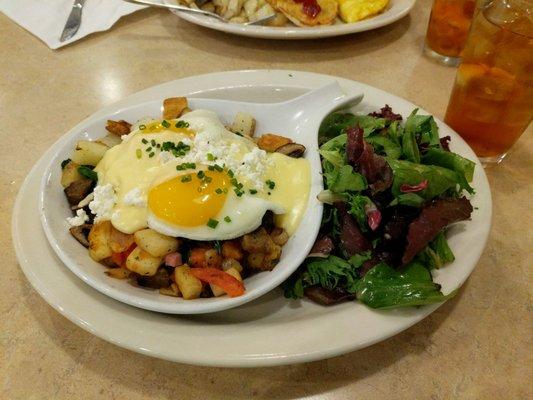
352 240
445 142
327 297
405 188
361 155
323 245
386 112
373 216
432 219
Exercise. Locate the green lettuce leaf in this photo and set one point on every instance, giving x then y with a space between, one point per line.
439 179
333 125
384 287
385 146
344 179
370 125
408 199
437 253
451 161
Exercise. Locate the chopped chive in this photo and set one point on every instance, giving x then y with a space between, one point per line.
218 191
227 219
144 140
212 223
182 124
149 149
138 153
165 123
207 179
231 173
269 193
211 157
225 190
218 168
271 184
151 154
200 174
142 127
253 191
152 142
158 145
186 178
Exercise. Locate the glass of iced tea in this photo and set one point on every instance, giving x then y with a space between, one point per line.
448 29
491 103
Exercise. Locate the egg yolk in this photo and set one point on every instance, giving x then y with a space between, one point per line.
190 200
160 126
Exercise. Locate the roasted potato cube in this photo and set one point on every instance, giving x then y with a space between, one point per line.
142 263
78 190
243 124
217 291
118 273
89 153
118 241
70 174
270 142
189 285
255 260
155 243
257 241
110 140
173 107
232 249
213 259
172 290
279 236
118 128
228 263
99 241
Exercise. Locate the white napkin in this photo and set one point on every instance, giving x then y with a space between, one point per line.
46 18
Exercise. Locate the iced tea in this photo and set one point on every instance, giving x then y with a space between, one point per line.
492 100
448 26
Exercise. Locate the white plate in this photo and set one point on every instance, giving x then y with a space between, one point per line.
294 119
395 10
247 335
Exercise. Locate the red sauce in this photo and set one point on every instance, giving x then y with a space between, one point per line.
310 7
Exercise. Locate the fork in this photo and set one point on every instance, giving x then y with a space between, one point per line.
197 11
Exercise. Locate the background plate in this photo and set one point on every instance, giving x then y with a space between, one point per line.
247 335
395 10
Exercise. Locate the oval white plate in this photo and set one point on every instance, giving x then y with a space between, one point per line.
296 119
243 336
395 10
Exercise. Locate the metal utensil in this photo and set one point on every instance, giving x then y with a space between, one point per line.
197 11
73 21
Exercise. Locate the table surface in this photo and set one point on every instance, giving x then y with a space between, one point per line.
478 345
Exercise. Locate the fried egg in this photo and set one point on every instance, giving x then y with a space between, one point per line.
193 178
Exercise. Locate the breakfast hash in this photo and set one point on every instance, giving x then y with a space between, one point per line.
184 203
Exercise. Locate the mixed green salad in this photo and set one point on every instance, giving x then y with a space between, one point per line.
391 190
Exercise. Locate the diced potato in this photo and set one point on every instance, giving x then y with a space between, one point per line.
118 273
243 124
172 290
156 244
118 241
217 291
110 140
213 259
257 241
189 285
142 263
279 236
89 153
270 142
173 107
232 249
231 263
70 174
98 241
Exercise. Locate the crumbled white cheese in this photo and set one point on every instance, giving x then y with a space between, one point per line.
80 218
253 167
104 201
135 198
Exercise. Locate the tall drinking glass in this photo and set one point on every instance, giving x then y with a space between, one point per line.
491 103
448 29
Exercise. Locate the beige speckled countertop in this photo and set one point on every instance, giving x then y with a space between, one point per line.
477 346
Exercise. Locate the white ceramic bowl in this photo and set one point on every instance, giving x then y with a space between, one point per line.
298 119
